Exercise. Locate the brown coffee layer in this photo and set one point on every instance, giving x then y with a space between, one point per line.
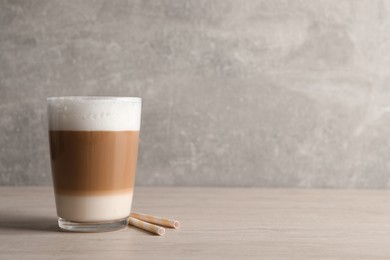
93 162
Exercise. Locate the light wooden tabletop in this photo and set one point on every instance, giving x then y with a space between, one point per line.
217 223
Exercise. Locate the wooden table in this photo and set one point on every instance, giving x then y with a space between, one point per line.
217 223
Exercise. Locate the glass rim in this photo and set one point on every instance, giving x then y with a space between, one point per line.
93 98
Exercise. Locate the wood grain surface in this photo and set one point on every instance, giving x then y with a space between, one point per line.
217 223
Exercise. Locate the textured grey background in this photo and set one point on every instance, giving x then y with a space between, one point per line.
236 93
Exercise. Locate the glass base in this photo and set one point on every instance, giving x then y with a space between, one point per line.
92 226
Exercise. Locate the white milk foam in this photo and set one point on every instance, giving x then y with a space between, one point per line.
94 113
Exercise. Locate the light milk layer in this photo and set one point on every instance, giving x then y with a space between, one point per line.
94 113
93 208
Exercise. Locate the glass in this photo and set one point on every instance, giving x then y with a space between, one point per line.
93 151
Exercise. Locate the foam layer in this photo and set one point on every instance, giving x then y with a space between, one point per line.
94 113
93 208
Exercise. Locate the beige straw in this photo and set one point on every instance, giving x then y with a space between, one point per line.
156 220
146 226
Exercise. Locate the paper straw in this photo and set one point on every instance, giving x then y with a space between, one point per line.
146 226
156 220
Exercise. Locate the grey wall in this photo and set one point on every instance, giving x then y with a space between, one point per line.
245 93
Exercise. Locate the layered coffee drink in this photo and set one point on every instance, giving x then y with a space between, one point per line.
93 147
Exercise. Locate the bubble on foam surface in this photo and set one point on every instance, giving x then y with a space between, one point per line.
94 114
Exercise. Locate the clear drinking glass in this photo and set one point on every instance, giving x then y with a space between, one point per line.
93 150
